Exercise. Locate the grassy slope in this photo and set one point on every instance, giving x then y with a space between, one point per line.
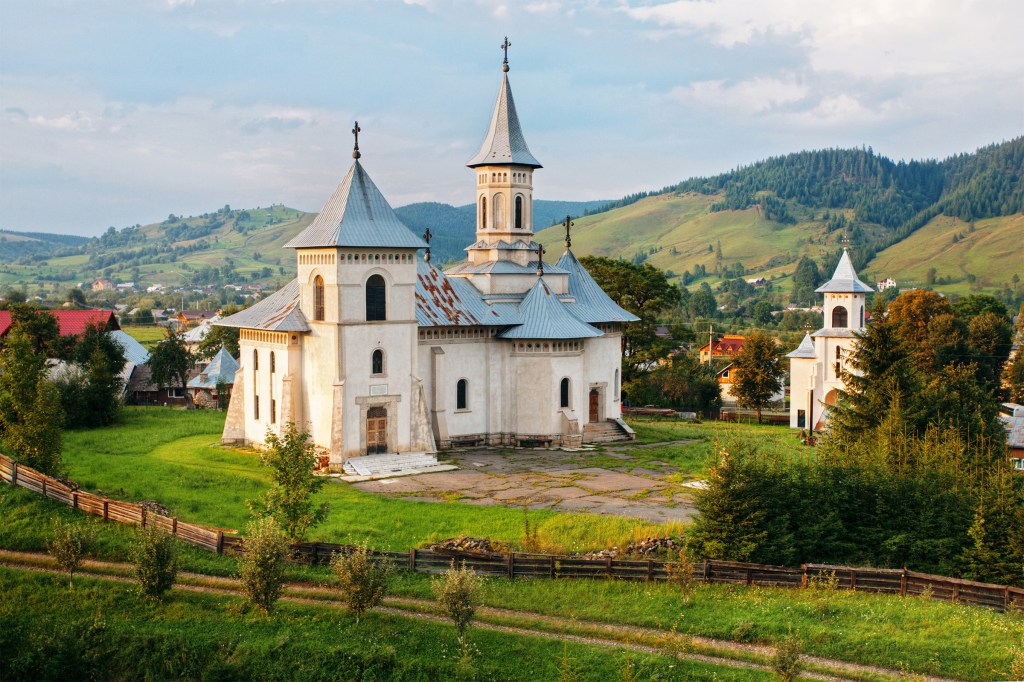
993 253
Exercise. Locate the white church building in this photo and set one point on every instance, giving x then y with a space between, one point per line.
816 366
372 349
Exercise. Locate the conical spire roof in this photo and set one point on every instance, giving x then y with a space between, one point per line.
504 142
805 349
844 279
544 317
357 214
221 369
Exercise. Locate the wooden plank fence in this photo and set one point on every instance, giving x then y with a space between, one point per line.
540 566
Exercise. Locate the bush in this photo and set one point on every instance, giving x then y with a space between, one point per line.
786 660
67 545
363 581
292 459
262 571
458 593
155 557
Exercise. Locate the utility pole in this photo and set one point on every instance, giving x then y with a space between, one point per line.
711 341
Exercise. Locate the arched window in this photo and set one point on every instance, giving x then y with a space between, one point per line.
564 397
318 298
839 316
255 360
461 398
499 211
618 387
483 212
273 363
376 299
862 317
377 362
519 212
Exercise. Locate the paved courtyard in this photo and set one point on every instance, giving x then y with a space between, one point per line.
550 479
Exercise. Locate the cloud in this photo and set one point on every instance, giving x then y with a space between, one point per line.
757 95
278 121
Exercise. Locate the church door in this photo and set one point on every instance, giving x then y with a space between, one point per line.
376 430
594 400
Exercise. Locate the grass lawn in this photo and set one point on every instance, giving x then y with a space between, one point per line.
147 336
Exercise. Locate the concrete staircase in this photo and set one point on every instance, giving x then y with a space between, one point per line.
604 432
396 464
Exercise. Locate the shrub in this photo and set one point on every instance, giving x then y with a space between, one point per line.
363 581
262 571
155 559
458 593
682 573
67 545
786 660
292 459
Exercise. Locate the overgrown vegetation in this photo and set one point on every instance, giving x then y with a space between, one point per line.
263 564
67 545
362 580
458 592
155 559
291 459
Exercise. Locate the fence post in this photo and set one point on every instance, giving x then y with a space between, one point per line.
650 570
956 592
174 525
142 511
803 575
608 566
551 566
44 486
853 578
1006 599
106 510
412 559
511 564
14 473
749 580
903 582
707 570
220 542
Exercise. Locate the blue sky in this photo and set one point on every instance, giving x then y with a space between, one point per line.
114 112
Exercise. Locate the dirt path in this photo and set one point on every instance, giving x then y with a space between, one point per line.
592 633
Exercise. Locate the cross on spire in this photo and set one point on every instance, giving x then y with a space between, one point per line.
426 237
504 46
355 150
540 259
568 223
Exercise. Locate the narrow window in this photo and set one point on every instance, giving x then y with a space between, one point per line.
618 387
273 411
801 419
377 362
256 407
255 360
499 211
483 212
273 363
839 316
318 298
519 212
460 394
862 318
376 299
564 401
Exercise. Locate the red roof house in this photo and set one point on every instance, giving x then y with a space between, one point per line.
71 322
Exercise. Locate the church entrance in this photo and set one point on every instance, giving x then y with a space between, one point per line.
376 430
595 402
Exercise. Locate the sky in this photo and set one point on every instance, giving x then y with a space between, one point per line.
117 112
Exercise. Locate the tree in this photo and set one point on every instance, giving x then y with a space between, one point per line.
262 565
989 337
976 304
763 313
292 459
91 385
1013 377
912 311
220 336
757 372
171 361
806 279
363 581
703 303
75 297
30 411
458 593
155 560
67 545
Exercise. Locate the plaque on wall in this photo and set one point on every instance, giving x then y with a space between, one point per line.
379 389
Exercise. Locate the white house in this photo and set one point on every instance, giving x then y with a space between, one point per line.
816 365
373 349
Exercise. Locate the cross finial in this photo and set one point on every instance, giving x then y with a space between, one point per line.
355 150
426 237
540 259
568 226
504 46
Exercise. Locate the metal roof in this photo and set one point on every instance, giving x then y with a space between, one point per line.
545 317
443 301
804 350
504 142
221 370
278 312
592 304
844 279
357 214
834 332
134 352
517 245
503 267
1014 431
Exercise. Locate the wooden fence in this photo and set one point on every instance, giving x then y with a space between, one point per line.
528 565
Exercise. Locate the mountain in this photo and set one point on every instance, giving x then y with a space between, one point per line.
14 245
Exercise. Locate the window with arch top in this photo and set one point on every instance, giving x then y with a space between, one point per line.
519 212
318 298
498 204
273 363
377 362
462 395
255 360
376 299
483 212
840 317
564 393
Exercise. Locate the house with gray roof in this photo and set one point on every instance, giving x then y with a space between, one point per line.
373 349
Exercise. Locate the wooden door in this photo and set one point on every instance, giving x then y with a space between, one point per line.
594 400
376 430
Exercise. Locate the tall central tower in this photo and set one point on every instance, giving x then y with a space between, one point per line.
504 174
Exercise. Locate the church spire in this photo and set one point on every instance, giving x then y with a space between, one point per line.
844 279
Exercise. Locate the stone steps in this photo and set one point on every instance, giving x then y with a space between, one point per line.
396 464
603 432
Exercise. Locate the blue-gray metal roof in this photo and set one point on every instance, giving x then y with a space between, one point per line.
503 267
544 316
805 350
517 245
134 352
834 333
592 304
221 370
844 279
504 142
442 301
278 312
357 214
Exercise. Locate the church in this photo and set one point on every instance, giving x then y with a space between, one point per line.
816 366
372 349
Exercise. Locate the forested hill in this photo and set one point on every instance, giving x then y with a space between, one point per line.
900 197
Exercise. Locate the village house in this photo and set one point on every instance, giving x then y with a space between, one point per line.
212 386
725 348
373 349
887 283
